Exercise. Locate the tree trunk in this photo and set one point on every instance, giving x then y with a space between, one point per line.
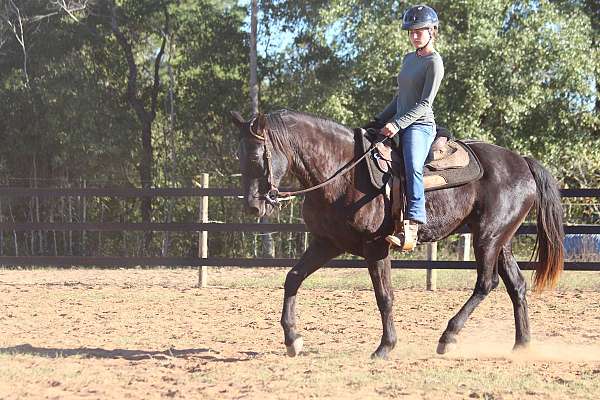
146 179
15 238
84 246
253 57
70 213
145 116
63 218
169 133
37 210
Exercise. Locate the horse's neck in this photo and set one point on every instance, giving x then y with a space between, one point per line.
318 153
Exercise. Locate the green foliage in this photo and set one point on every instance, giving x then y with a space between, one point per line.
522 74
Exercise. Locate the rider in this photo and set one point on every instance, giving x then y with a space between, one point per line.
409 120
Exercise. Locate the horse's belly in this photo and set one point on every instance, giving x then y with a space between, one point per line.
447 210
349 230
340 234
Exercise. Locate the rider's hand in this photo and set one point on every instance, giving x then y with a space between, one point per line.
389 130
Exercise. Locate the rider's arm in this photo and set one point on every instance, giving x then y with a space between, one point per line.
388 112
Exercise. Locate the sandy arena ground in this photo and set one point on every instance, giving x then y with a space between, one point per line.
138 334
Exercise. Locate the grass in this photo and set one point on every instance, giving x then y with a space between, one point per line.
352 279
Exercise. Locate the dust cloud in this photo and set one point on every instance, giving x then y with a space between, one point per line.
537 351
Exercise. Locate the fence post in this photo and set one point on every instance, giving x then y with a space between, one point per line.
432 273
466 246
203 235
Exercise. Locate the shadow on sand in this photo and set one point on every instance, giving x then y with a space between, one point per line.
126 354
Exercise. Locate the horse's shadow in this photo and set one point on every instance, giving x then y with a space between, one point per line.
126 354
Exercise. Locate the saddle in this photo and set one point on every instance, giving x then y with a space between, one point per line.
450 162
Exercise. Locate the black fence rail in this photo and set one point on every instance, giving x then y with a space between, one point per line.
64 261
107 262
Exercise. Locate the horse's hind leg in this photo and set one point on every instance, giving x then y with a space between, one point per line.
517 290
318 252
486 254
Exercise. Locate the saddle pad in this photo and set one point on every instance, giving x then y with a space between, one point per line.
432 179
378 177
448 178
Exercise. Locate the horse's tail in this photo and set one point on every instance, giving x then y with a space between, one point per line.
549 247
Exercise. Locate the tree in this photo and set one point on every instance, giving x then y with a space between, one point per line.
143 100
77 121
92 105
519 74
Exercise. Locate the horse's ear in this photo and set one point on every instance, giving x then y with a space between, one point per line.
237 118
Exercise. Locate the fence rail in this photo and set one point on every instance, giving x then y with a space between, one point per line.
73 261
204 192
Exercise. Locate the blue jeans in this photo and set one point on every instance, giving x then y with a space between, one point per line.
416 142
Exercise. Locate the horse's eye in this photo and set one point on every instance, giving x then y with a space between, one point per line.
255 159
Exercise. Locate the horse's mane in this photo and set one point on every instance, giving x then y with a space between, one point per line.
278 125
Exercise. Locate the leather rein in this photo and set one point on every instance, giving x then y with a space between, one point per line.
273 195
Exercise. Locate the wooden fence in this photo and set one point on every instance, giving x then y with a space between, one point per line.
204 227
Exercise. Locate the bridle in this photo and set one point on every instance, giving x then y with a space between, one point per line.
273 196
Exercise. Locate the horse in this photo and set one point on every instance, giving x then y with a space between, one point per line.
346 214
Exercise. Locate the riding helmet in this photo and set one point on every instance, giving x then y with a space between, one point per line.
418 17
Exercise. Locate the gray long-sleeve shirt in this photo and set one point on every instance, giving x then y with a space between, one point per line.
418 82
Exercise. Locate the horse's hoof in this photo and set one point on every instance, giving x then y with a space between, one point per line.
379 355
443 348
296 347
521 347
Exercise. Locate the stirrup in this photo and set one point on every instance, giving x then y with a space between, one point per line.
394 240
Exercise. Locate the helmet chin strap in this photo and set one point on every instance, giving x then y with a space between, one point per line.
426 44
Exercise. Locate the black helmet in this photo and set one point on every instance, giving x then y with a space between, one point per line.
418 17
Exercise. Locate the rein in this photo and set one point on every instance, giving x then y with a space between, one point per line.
331 178
273 196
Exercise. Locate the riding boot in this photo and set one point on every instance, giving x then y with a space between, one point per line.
405 235
411 233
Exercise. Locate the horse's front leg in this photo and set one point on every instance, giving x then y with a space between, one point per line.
380 272
318 252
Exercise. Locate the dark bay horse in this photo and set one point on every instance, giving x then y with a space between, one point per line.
349 215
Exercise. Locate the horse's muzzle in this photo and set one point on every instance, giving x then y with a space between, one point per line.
255 205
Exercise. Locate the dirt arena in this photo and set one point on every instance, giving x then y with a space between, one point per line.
144 334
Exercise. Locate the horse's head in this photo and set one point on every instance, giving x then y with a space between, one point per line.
262 167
